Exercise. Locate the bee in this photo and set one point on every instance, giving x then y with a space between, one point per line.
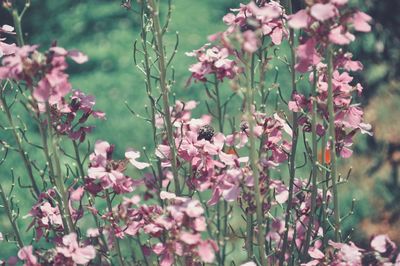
127 4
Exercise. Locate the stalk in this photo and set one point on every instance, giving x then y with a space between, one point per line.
324 192
164 90
18 28
222 227
255 169
314 165
292 160
333 147
149 91
249 235
21 151
12 220
117 245
58 178
90 201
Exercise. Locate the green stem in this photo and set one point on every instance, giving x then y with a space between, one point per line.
254 168
21 151
58 178
292 160
333 147
249 235
18 28
324 192
149 91
90 201
11 218
219 107
164 90
117 245
314 165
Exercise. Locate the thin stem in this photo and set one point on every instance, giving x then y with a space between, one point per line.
90 201
324 192
333 147
254 168
64 209
164 90
11 218
117 245
149 91
292 160
249 235
219 107
314 164
18 28
21 150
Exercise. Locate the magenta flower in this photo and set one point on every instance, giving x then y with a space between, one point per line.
78 253
132 155
105 173
26 254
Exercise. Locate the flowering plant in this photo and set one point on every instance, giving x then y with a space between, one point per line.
211 183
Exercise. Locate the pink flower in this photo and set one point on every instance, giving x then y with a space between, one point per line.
383 244
307 56
323 12
360 21
26 254
299 20
71 249
206 250
132 155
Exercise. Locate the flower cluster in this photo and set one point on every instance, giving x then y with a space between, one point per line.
68 252
180 223
382 251
5 48
106 173
325 22
212 61
349 116
69 118
252 22
46 215
43 73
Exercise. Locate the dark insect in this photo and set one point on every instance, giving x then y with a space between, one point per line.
206 132
127 4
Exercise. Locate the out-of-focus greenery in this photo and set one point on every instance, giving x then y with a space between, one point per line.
106 32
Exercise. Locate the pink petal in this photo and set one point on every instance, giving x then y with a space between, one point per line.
360 21
315 253
299 20
206 252
323 12
78 56
84 255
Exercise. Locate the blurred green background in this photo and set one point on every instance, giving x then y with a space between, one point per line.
106 33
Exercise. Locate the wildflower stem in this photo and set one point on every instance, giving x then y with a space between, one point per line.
18 28
117 245
314 165
164 90
149 90
17 138
64 206
249 235
90 201
222 228
292 159
333 146
324 191
219 107
12 220
254 167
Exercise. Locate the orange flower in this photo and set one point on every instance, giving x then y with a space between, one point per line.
327 158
